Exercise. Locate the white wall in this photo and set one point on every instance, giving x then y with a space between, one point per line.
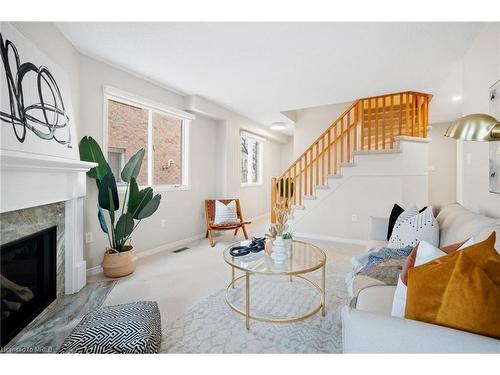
370 188
182 210
311 122
287 154
255 200
442 167
481 69
49 40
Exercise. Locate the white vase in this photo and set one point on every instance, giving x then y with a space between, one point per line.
278 254
288 243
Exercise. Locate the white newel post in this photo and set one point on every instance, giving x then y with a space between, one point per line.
75 265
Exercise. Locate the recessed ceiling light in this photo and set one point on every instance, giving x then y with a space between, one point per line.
456 98
278 126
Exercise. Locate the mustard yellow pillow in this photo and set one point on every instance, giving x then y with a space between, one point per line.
460 290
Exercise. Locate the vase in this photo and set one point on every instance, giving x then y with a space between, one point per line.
118 264
288 243
278 254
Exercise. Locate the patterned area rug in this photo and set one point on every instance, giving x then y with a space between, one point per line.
212 327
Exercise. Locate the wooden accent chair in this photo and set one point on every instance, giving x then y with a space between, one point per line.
210 216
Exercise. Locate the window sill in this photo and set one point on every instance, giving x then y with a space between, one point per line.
157 188
171 188
256 184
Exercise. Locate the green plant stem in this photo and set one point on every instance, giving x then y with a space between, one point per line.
112 230
135 226
109 239
125 198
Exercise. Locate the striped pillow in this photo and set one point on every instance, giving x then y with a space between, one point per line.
225 214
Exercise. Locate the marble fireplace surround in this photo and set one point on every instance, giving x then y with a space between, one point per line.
31 180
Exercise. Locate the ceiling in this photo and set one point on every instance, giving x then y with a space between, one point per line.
262 69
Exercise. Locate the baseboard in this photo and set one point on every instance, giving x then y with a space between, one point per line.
330 238
142 254
94 271
170 246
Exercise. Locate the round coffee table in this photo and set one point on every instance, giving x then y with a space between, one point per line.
302 258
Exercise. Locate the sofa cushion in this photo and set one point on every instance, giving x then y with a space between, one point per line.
456 224
377 299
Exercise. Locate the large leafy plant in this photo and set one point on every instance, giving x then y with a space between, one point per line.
137 204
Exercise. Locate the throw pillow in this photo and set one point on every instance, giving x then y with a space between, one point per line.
421 254
225 213
460 290
408 232
396 211
406 214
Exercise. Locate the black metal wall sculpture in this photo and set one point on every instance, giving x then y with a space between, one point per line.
46 117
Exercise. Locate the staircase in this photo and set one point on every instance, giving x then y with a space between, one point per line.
368 126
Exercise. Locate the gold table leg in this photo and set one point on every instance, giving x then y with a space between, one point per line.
247 305
232 276
323 271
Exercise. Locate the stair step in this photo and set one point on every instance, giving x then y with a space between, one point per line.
298 207
412 139
347 164
334 176
383 151
322 187
309 197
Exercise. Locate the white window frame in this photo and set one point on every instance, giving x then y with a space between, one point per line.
260 142
111 93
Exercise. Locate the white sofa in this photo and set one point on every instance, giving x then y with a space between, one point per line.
370 328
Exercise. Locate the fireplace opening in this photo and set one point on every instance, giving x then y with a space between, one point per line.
28 280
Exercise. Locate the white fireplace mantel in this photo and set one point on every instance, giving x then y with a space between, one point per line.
30 180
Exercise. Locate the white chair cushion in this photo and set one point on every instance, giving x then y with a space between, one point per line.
225 214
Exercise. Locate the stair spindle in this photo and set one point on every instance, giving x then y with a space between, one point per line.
400 114
391 140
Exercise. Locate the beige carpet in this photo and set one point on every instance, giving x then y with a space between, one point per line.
180 282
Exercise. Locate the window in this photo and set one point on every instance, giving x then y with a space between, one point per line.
134 123
116 161
251 159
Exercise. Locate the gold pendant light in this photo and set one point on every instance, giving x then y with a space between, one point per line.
475 127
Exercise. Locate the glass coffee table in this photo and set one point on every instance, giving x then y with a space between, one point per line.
302 258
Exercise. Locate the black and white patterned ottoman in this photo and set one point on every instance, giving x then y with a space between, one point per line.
129 328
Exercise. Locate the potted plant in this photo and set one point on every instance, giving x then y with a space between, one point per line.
119 258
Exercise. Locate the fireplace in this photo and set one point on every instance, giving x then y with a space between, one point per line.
28 280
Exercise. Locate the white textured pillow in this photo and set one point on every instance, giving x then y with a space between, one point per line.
409 212
225 214
425 253
421 227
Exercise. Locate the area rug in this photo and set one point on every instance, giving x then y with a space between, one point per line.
212 327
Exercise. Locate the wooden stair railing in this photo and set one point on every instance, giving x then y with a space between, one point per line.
367 124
